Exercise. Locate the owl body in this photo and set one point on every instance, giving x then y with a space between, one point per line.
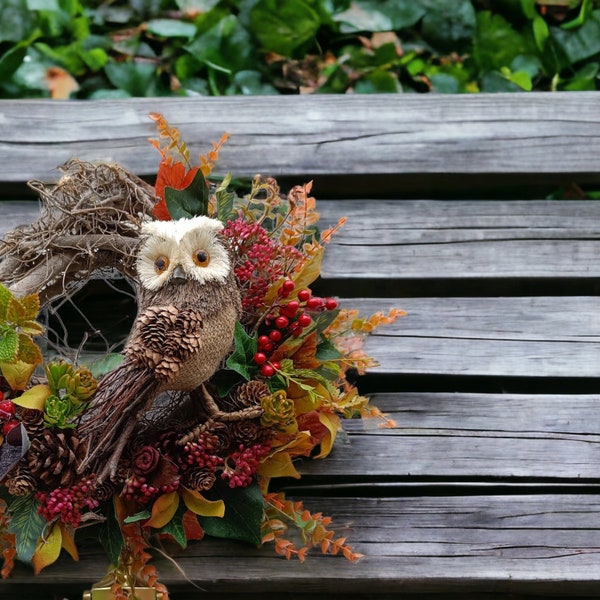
188 304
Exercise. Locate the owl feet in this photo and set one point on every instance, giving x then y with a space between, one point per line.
215 414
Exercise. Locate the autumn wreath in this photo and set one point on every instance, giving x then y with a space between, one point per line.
182 475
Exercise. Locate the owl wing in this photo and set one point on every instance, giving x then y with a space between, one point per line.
163 337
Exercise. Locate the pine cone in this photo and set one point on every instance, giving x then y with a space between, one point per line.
103 491
199 479
21 482
246 432
33 420
249 394
54 458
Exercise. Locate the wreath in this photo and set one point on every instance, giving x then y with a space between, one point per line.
181 475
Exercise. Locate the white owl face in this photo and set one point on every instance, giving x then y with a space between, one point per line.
188 247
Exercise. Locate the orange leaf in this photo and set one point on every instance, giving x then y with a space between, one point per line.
332 423
68 540
60 83
163 510
47 550
191 527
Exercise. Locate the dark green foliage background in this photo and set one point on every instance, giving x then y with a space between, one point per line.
118 48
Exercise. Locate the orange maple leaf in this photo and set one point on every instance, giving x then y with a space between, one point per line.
174 175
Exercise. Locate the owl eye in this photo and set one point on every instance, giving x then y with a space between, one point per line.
201 258
161 264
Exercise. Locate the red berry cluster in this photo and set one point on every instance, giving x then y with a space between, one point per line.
67 504
260 260
241 466
7 414
288 318
138 488
196 454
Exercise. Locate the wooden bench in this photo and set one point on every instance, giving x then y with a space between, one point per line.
488 486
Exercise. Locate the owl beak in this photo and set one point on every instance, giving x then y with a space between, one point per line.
178 275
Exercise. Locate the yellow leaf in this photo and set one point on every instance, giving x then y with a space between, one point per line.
199 505
68 540
17 374
279 465
332 422
163 510
47 549
34 397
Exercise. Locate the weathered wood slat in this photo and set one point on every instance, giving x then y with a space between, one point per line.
544 544
404 240
318 134
518 337
459 437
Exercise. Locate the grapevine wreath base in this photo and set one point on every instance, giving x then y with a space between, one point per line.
196 462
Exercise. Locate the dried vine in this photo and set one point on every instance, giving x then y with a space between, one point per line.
89 221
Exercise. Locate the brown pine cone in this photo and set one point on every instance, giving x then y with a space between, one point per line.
103 491
33 420
249 394
246 432
21 482
54 457
199 479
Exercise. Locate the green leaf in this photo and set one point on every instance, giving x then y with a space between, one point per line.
226 46
541 32
189 202
110 535
143 515
5 298
9 345
327 351
374 15
171 28
584 79
136 78
17 22
243 514
241 359
27 525
496 42
378 81
175 527
11 61
105 364
447 25
581 43
283 25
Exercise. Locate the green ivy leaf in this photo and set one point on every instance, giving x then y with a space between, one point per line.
326 351
226 47
243 514
189 202
110 535
283 25
171 28
27 525
175 527
241 359
374 15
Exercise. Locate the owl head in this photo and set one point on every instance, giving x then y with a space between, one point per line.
186 249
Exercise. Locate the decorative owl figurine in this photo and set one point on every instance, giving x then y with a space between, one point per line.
188 304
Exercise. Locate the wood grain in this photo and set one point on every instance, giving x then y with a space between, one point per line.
526 544
467 437
521 336
318 134
406 240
